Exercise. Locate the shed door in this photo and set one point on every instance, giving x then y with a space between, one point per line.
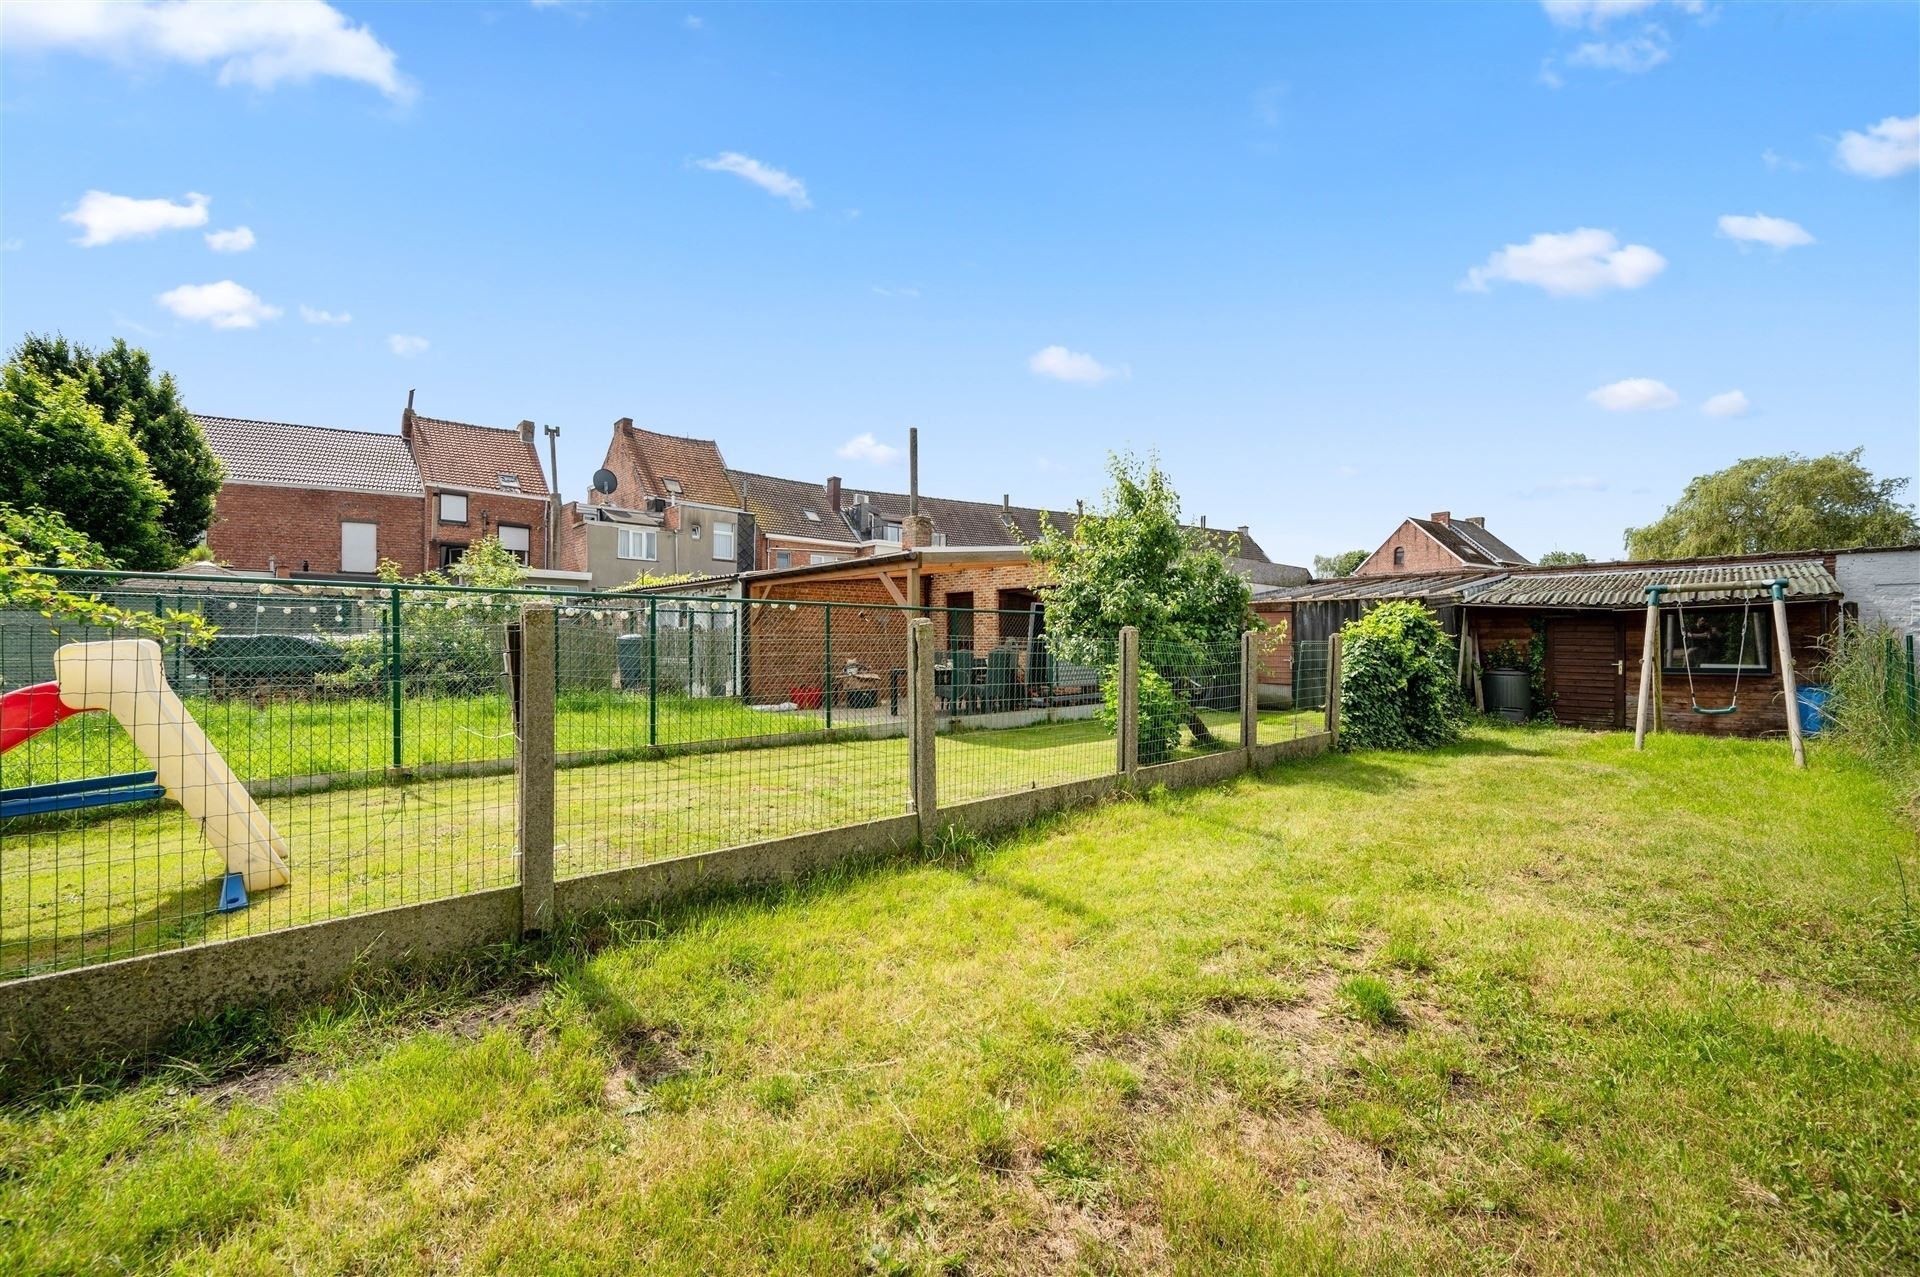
1586 671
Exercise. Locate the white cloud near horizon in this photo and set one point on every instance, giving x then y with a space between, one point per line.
406 345
1596 14
1776 233
1730 403
864 447
1062 364
104 218
1635 56
237 240
1575 263
257 43
1635 394
223 305
1886 149
328 318
773 181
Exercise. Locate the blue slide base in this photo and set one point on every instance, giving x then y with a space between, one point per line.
233 893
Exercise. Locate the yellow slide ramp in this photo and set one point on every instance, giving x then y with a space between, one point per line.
125 678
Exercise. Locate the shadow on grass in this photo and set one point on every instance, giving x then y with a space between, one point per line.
175 921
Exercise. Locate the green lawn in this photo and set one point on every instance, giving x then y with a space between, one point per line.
1530 1003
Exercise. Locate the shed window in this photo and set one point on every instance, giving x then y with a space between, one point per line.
1715 640
1399 556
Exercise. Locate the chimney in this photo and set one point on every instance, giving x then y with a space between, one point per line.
1478 520
1006 502
406 418
625 423
916 530
1241 532
833 493
1080 508
1442 516
526 432
1203 523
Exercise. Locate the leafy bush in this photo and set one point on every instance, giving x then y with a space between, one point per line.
1162 712
1397 689
450 643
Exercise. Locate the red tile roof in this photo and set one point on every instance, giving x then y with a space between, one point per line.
456 454
643 461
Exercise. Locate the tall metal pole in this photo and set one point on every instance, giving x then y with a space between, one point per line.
553 493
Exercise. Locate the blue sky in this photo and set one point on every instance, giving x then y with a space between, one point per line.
1336 264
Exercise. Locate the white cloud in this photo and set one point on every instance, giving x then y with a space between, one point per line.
1071 365
1778 162
769 179
105 218
694 22
1635 394
896 292
1635 56
313 315
1576 263
1888 149
1548 76
1776 233
259 43
407 346
1731 403
864 447
237 240
224 305
1592 13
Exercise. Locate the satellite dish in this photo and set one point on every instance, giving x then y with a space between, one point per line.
605 481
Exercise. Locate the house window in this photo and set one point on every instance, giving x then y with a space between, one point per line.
515 540
638 543
453 507
450 553
827 558
672 485
359 546
1716 642
939 538
1399 556
723 541
960 620
783 558
890 533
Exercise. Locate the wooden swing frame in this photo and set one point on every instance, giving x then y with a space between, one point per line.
1776 589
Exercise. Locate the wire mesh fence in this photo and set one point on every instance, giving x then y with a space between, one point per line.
1013 713
346 748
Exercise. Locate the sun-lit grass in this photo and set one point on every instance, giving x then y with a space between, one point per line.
1653 1012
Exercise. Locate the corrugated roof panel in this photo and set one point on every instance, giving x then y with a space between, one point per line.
1627 588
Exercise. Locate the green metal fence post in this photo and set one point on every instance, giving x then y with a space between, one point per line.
653 673
1913 686
393 674
826 683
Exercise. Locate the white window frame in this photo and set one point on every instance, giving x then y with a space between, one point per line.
723 536
644 541
446 504
525 537
890 534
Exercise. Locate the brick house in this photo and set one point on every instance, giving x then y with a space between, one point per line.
673 510
314 500
796 523
1441 543
479 481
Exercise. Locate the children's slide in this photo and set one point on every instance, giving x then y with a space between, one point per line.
125 678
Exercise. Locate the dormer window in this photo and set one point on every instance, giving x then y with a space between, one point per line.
672 485
510 482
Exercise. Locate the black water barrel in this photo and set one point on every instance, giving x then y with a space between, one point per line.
1506 693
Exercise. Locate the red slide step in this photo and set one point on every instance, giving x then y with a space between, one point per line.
28 711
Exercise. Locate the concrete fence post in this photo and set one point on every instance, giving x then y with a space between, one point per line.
1333 690
533 758
1128 729
920 726
1249 693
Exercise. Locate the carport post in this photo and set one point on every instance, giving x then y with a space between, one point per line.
920 726
1249 693
1788 684
533 765
1127 733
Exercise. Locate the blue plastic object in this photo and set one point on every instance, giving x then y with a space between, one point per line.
1813 708
73 795
233 893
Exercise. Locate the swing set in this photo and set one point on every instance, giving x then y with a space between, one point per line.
1776 589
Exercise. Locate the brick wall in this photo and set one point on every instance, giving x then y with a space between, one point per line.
486 511
1424 554
984 584
290 527
787 647
1762 709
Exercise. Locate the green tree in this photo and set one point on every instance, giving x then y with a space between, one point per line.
1562 559
1341 564
33 538
1131 562
1767 504
59 453
120 381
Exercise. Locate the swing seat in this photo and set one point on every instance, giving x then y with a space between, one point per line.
1715 711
